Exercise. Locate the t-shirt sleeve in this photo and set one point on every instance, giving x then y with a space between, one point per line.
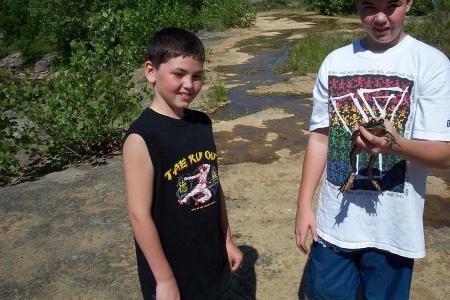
319 115
432 119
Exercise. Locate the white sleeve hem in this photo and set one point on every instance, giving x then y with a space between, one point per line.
429 136
313 127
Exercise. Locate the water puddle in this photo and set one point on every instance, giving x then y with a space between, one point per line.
257 72
268 51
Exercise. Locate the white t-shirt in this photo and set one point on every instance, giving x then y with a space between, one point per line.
409 84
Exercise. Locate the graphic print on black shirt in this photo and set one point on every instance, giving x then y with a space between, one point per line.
355 99
197 188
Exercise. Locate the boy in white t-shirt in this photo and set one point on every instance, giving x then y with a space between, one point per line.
363 236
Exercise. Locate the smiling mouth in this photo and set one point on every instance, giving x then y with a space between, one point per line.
382 30
185 96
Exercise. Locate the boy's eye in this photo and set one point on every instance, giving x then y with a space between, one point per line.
395 4
369 7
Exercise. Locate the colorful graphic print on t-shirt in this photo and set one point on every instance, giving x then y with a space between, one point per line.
195 189
355 99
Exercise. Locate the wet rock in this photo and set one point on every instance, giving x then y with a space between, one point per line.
12 61
44 64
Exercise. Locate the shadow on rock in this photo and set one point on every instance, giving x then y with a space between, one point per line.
244 280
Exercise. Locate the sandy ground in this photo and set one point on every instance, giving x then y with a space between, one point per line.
67 236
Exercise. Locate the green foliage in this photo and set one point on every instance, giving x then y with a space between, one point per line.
36 27
82 112
18 29
3 48
307 55
421 8
149 16
217 95
442 8
220 14
333 7
9 164
13 16
278 4
16 132
432 29
71 115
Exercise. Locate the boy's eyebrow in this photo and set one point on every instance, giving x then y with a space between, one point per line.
375 1
185 71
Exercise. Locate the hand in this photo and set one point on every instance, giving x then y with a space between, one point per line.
167 290
235 256
376 144
305 221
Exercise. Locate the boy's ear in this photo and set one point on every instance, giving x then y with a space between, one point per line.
149 71
408 5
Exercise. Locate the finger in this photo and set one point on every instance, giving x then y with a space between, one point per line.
363 145
301 242
236 265
365 134
370 142
370 139
304 248
314 233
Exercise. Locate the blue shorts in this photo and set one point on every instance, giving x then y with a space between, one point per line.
337 275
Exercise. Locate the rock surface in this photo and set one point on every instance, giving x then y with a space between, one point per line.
12 62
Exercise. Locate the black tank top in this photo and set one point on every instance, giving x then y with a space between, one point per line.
186 203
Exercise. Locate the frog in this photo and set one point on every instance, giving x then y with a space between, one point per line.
375 127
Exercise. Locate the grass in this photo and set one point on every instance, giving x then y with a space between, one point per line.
217 95
307 54
432 30
279 4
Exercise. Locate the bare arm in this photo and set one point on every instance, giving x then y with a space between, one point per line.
139 175
313 167
432 154
235 255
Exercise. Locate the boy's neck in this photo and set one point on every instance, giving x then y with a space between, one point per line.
162 108
382 47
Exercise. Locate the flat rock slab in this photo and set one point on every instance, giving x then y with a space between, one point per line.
67 235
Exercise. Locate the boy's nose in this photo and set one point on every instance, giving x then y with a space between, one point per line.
187 82
380 17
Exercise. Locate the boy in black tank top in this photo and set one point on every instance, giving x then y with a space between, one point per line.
184 247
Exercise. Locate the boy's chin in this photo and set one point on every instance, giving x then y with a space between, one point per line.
380 44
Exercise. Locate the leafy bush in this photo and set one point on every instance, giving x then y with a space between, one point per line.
421 7
307 55
333 7
38 26
220 14
278 4
9 164
82 112
432 28
3 49
72 115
